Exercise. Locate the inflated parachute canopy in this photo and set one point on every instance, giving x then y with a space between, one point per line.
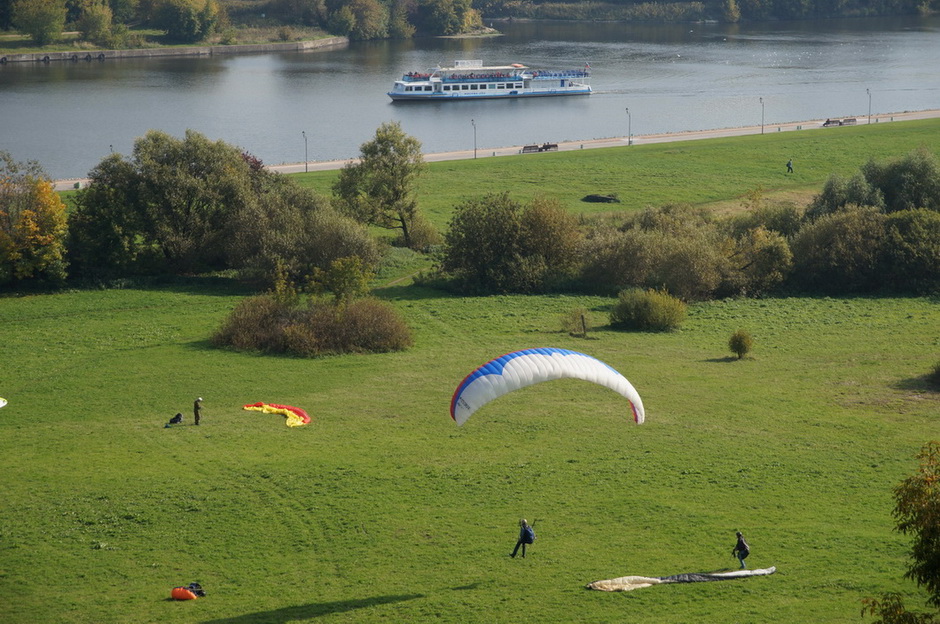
531 366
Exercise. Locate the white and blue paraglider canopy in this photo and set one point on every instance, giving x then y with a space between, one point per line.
531 366
2 401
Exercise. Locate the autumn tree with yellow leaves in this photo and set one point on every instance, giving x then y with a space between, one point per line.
32 224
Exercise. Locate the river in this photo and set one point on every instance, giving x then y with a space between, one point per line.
321 105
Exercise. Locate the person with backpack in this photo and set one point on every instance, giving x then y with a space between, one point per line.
741 550
526 536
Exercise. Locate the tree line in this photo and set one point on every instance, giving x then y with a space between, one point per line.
108 23
191 205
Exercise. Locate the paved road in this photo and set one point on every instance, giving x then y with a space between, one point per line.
62 185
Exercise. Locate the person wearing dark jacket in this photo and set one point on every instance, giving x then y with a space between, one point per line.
526 536
741 550
197 409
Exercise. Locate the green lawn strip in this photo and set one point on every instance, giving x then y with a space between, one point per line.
695 172
383 510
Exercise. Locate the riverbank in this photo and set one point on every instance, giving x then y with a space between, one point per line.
103 55
691 135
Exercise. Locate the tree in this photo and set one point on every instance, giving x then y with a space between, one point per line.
496 244
840 251
911 251
907 183
95 22
917 511
32 224
347 278
42 20
195 205
380 188
187 20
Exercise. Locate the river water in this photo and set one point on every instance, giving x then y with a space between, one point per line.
672 78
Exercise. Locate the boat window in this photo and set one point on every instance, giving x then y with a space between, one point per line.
465 87
428 88
473 87
446 87
500 86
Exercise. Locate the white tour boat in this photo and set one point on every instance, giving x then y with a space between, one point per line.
472 79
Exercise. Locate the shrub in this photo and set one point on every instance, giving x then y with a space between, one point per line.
740 343
911 251
272 324
649 310
256 324
840 252
496 244
933 377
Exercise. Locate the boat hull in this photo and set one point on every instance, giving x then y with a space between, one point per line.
437 97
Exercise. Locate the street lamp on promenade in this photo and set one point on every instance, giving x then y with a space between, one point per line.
868 91
762 115
304 132
474 124
629 128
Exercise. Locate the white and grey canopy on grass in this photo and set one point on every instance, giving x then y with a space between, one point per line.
629 583
531 366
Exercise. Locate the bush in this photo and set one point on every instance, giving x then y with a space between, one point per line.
840 252
272 324
496 244
740 343
649 310
933 377
911 251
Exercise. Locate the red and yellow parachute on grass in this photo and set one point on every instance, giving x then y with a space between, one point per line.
296 417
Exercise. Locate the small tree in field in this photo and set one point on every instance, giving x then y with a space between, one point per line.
380 188
917 511
740 343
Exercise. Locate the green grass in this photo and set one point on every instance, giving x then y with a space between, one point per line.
707 172
383 510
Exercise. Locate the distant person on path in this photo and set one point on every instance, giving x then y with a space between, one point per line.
526 536
197 409
741 550
790 166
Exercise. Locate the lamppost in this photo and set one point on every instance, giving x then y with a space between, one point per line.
868 91
304 132
474 124
762 115
629 128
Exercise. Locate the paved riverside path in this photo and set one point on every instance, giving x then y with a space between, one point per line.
64 185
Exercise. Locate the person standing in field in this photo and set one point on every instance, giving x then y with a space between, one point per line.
197 409
790 166
741 550
526 536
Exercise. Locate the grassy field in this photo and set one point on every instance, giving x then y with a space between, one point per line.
714 172
382 510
